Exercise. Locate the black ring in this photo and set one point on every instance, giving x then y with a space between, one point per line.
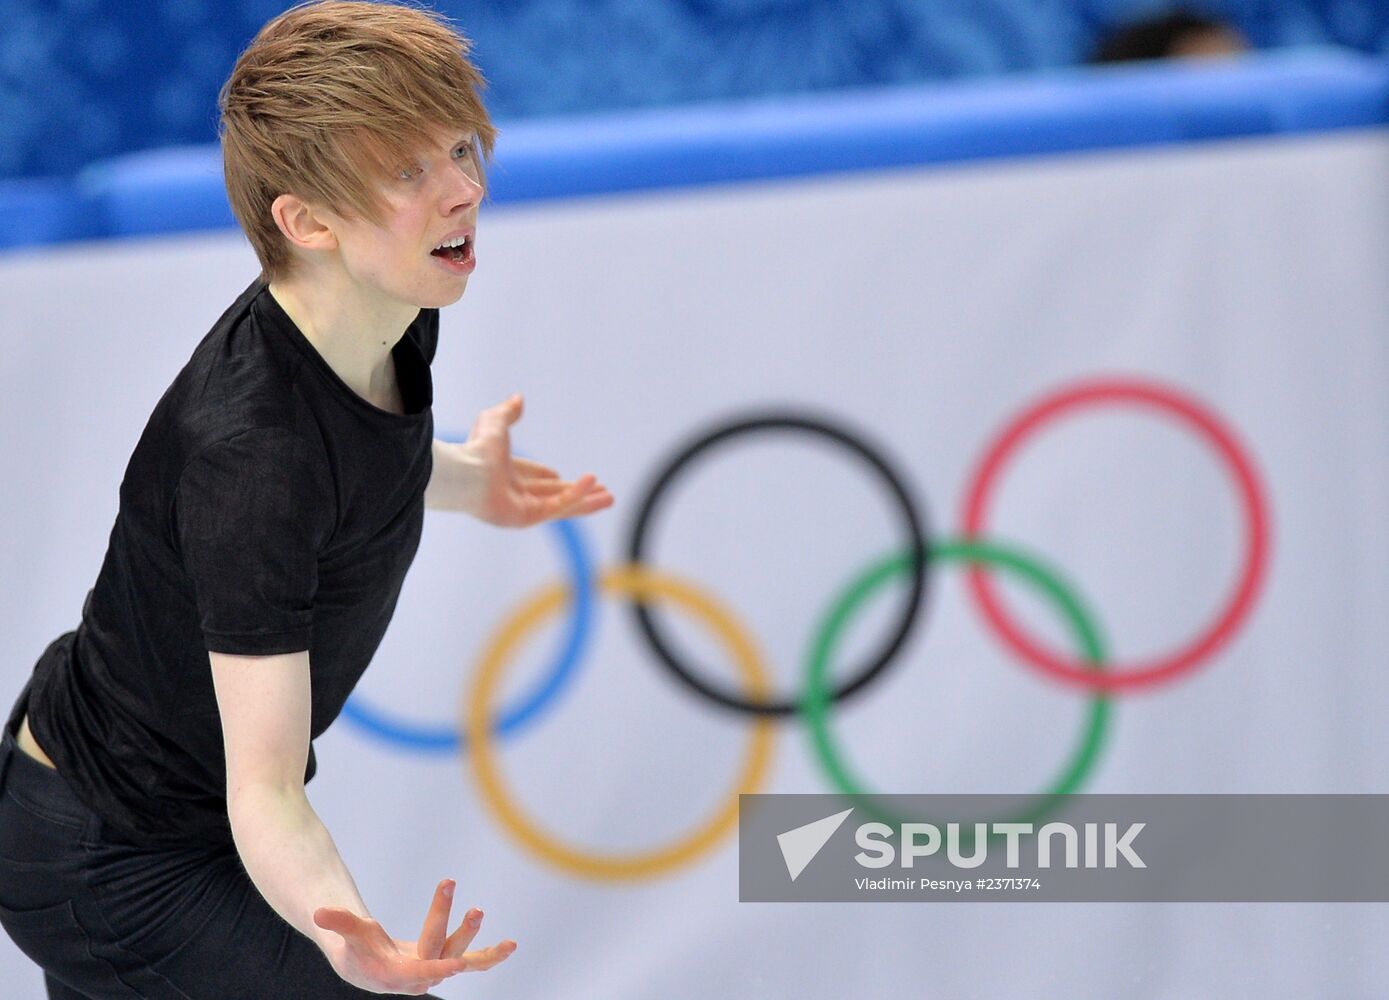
782 421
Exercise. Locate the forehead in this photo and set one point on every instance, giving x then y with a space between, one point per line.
378 154
443 137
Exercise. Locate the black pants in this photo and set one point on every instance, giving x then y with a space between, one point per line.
109 920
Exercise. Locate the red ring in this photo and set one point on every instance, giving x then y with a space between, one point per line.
1251 493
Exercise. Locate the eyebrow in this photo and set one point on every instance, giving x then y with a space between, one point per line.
460 139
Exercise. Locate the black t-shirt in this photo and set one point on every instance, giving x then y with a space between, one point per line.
267 508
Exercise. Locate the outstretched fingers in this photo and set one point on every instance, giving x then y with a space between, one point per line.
433 970
436 970
372 958
484 958
585 496
459 940
436 922
560 499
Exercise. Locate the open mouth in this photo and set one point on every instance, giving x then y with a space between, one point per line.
456 250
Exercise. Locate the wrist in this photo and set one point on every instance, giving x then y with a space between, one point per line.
335 950
456 479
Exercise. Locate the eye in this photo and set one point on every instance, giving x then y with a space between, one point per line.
463 152
409 173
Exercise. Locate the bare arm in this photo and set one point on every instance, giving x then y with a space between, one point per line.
265 706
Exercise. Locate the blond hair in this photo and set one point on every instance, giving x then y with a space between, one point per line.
332 98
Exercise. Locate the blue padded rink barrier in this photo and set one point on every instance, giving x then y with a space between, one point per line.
1297 91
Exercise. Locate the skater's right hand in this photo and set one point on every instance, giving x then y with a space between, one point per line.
370 959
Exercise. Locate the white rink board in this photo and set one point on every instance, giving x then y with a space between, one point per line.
925 307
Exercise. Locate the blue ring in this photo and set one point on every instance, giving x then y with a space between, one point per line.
441 739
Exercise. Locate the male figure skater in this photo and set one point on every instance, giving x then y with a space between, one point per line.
155 838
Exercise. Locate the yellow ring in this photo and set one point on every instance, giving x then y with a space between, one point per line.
645 585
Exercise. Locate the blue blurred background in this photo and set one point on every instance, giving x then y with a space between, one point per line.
83 79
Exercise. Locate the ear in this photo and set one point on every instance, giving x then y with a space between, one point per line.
304 226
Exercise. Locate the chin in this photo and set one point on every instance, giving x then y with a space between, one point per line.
439 300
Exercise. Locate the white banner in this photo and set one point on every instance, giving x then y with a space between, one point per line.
1210 327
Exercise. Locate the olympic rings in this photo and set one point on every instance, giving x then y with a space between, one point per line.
815 700
781 422
1252 500
639 583
444 738
1089 668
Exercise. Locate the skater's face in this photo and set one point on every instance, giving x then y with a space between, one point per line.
430 201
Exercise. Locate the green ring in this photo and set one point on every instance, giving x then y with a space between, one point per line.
815 701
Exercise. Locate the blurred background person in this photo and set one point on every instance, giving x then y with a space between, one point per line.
1179 35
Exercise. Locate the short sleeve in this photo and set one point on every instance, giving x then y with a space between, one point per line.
251 514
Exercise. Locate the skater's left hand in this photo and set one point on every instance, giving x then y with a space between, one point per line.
482 478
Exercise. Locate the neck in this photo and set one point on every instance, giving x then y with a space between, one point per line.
353 331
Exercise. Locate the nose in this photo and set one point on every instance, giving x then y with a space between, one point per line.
463 190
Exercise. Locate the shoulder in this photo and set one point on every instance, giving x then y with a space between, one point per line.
233 383
241 378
